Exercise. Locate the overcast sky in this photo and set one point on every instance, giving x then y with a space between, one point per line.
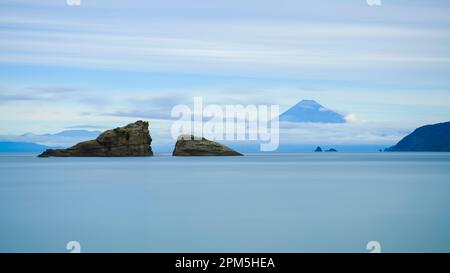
106 62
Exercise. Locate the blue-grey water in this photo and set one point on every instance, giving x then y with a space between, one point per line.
329 202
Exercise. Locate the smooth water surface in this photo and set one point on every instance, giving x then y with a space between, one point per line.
255 203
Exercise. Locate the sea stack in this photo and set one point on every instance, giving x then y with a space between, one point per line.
131 140
188 145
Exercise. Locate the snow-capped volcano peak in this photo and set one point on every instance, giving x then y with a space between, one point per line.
311 111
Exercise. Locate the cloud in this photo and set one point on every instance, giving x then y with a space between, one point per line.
149 114
17 97
85 126
347 133
144 106
49 94
246 45
36 94
350 118
151 53
160 107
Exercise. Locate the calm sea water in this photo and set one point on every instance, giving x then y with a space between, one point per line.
259 203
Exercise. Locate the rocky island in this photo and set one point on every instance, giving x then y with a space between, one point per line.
131 140
188 145
428 138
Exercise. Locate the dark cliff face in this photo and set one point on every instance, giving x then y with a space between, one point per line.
192 146
429 138
131 140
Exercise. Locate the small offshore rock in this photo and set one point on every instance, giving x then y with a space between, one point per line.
188 145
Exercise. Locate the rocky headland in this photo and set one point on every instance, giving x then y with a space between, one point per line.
428 138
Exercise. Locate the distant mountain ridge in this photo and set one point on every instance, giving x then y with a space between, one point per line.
311 111
68 133
428 138
19 147
61 139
